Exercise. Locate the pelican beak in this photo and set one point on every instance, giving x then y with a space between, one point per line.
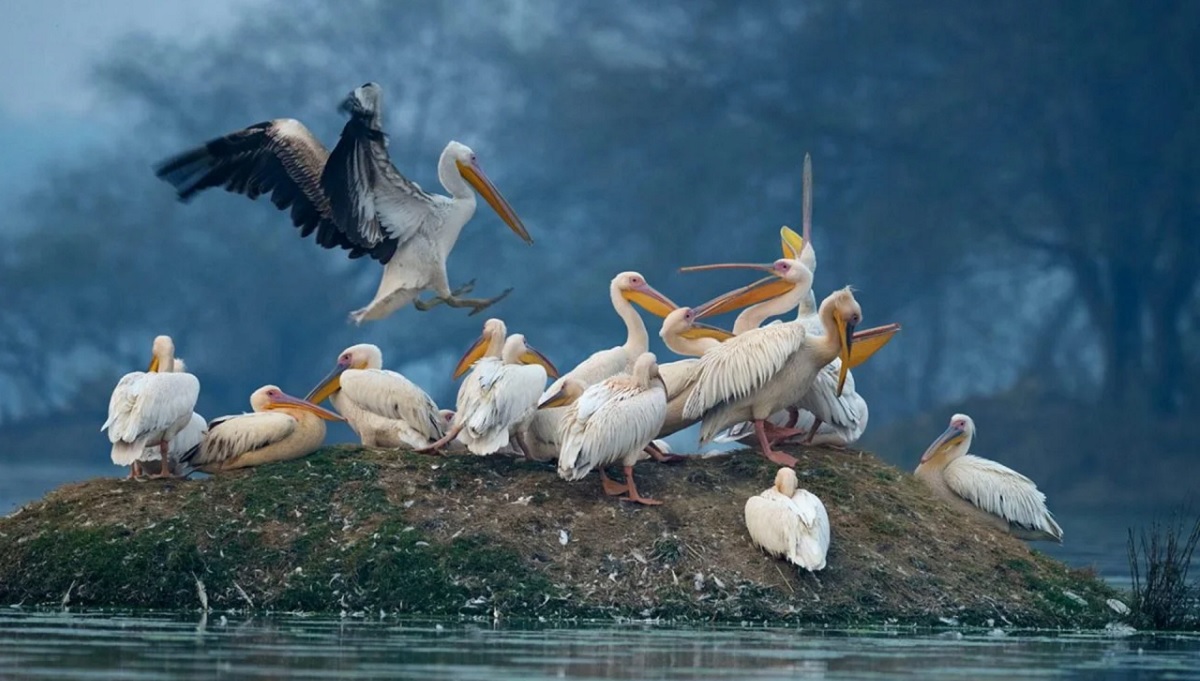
473 174
154 364
699 331
951 437
763 289
649 299
285 401
472 355
846 333
868 341
328 385
533 356
558 399
793 243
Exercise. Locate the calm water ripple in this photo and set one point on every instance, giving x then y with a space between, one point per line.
38 645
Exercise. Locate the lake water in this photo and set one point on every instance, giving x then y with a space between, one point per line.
77 646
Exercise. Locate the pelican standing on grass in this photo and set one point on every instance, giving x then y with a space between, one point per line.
990 492
148 409
383 407
789 523
281 428
354 198
189 436
500 392
613 421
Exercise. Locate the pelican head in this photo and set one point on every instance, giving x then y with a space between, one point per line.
846 314
162 354
468 167
270 397
785 482
361 356
517 351
681 322
954 442
447 416
787 274
632 286
645 369
488 344
364 102
570 391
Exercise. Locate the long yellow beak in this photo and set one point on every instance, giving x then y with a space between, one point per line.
868 341
328 385
559 399
649 299
699 331
289 402
533 356
951 437
473 174
763 289
472 355
846 334
154 364
792 243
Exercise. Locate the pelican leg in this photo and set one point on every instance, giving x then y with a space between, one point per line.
477 305
662 457
771 454
633 493
812 432
135 470
436 447
611 487
779 433
165 470
793 417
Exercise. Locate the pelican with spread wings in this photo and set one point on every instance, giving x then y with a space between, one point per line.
354 198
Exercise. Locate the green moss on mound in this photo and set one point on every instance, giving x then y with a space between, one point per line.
349 529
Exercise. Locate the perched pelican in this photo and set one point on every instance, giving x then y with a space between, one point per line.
765 370
148 409
281 428
499 393
354 198
612 421
185 439
993 493
383 407
540 435
625 288
789 523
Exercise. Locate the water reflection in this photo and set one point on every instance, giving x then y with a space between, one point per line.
70 646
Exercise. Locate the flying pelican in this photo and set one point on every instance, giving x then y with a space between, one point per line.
612 421
765 370
789 523
625 288
281 428
354 198
383 407
500 392
185 439
148 409
990 492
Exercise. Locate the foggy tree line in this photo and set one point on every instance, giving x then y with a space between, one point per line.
1017 183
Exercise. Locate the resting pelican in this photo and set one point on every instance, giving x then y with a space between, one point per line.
281 428
354 198
185 439
612 421
765 370
995 494
625 288
540 435
148 409
500 392
383 407
789 523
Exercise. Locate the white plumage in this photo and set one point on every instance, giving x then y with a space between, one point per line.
789 523
496 396
989 491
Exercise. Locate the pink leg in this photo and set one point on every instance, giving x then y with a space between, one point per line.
772 455
436 448
611 487
165 470
661 456
633 493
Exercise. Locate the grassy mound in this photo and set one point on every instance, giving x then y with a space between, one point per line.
349 529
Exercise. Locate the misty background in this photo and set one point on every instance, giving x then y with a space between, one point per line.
1016 183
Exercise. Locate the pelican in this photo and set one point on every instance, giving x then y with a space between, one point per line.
383 407
281 428
185 439
990 492
354 198
765 370
625 288
499 393
789 523
148 409
539 435
612 421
